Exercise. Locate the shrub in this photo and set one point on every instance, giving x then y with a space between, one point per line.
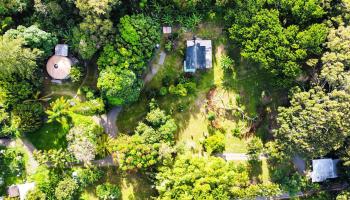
92 107
108 191
236 132
168 46
227 64
255 148
27 117
75 73
211 116
35 194
82 141
88 176
11 166
215 143
163 91
66 189
179 90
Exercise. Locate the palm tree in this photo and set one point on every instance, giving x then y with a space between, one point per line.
105 145
59 112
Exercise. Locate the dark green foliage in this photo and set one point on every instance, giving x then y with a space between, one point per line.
302 11
268 43
8 7
5 22
108 191
266 38
88 176
13 91
139 35
82 44
255 148
17 60
121 63
27 117
66 189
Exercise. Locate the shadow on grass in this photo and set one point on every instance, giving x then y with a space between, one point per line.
133 186
49 136
255 171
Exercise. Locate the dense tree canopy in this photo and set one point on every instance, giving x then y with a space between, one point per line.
16 59
121 63
335 69
34 38
119 86
279 47
315 123
208 178
10 7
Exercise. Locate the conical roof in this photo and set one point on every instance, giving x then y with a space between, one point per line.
58 67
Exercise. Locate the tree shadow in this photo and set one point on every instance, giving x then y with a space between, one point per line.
255 171
133 185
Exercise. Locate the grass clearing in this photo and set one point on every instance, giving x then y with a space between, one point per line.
132 186
49 136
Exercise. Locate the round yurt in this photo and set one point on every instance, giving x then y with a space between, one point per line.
58 67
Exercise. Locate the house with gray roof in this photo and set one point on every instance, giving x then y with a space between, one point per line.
324 169
198 55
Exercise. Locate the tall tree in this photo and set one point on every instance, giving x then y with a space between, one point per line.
119 87
34 38
16 59
315 123
336 61
193 177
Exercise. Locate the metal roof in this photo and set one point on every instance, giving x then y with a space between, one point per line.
61 50
198 55
323 169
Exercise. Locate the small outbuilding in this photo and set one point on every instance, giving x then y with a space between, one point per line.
61 50
198 55
166 29
58 67
13 191
324 169
20 190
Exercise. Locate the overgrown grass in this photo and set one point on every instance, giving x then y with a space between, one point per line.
133 186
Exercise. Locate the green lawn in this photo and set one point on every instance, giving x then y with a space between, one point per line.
52 135
49 136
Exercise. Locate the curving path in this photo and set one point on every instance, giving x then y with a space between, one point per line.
108 122
28 147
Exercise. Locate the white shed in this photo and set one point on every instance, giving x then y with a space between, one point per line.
324 169
166 29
